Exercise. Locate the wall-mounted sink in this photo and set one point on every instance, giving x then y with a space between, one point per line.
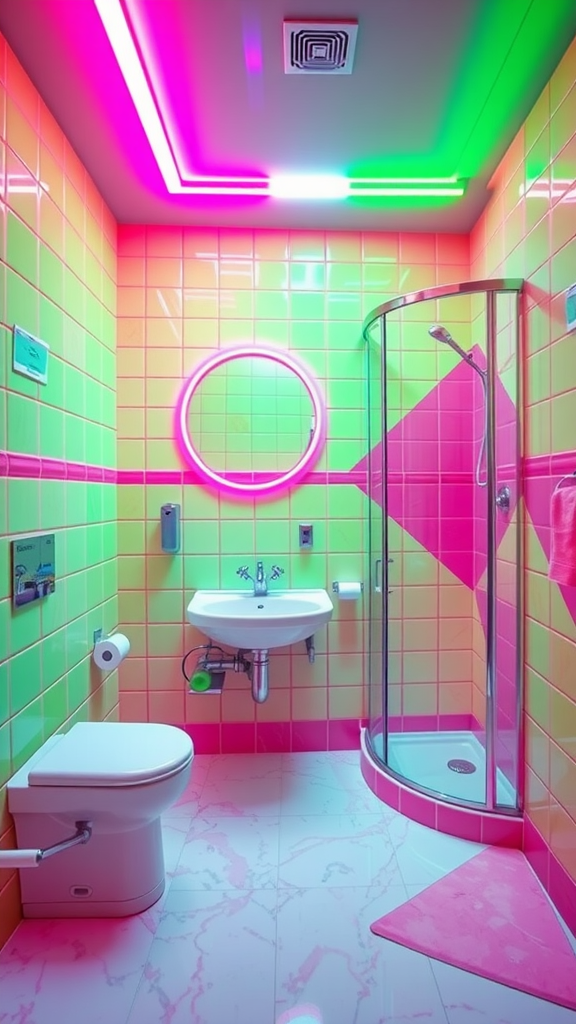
239 619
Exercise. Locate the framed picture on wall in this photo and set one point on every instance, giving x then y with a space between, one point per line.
33 568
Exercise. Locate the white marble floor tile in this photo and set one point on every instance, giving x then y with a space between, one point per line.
425 855
72 971
336 850
250 786
238 798
326 783
470 999
211 962
232 767
328 958
229 853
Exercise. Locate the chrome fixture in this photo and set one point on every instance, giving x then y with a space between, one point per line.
16 858
502 499
256 670
440 333
258 675
260 580
260 586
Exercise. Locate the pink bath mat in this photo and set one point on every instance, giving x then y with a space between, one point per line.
491 917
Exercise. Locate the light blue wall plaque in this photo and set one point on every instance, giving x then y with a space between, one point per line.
30 356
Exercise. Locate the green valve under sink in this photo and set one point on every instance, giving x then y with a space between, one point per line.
201 681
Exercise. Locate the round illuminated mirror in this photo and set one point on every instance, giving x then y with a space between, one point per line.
251 420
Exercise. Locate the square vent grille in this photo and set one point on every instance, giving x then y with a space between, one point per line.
319 47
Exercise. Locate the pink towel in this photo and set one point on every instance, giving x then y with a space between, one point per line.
563 547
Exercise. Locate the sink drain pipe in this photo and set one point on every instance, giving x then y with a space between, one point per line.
258 675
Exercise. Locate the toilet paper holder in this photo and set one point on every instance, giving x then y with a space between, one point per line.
336 584
32 858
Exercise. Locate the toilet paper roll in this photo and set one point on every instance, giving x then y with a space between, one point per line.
110 652
349 591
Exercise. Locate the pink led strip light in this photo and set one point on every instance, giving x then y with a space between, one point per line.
306 186
251 488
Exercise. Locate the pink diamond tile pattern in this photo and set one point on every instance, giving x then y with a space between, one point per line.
432 453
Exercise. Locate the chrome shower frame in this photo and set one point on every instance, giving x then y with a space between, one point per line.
379 572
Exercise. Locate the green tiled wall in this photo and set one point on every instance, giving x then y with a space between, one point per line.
58 276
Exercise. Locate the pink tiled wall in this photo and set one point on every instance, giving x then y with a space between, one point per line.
529 230
58 281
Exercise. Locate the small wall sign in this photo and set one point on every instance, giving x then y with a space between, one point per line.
33 568
29 355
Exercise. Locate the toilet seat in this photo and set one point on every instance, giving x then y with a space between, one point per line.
113 754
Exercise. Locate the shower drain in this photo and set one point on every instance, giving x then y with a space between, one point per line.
460 765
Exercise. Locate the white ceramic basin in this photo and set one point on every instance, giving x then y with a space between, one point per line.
237 618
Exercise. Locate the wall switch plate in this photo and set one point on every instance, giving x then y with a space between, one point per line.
306 535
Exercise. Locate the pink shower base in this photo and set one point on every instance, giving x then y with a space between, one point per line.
466 823
490 916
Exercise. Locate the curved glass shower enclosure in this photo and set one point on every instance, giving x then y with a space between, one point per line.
445 638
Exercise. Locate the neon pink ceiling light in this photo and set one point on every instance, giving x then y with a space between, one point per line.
251 488
281 186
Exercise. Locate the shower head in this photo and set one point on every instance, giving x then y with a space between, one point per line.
441 334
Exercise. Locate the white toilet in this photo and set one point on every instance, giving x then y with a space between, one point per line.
119 777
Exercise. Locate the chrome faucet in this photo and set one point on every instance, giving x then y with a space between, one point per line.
260 580
260 585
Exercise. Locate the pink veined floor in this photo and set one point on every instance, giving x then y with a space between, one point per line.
277 865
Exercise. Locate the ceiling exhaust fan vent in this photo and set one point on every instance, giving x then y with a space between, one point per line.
319 47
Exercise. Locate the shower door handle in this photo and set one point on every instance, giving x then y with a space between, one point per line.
502 499
377 581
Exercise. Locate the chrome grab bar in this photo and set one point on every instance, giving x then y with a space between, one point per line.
32 858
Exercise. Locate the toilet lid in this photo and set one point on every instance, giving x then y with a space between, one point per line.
113 754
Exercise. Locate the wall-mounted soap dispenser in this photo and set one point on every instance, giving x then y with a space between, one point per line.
170 528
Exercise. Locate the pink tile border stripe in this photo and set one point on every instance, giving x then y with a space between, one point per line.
188 476
274 737
34 467
18 464
557 464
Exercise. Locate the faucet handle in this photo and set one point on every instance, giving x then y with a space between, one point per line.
275 572
243 572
